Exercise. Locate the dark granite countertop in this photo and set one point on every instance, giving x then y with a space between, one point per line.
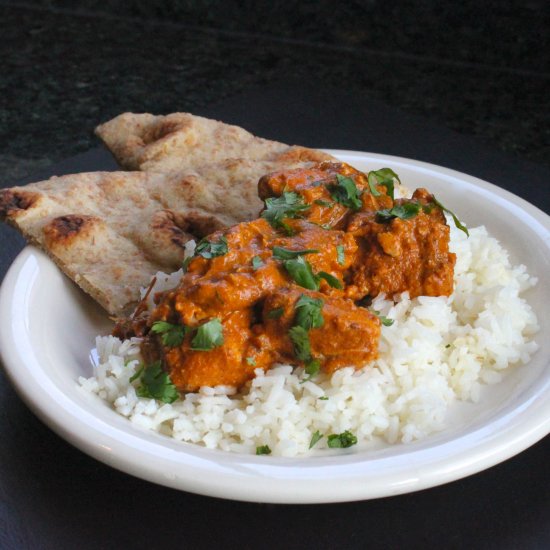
479 71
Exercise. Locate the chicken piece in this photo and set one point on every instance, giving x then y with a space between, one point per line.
232 281
402 254
316 186
226 365
348 336
229 287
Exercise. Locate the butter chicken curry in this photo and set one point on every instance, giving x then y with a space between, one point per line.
293 286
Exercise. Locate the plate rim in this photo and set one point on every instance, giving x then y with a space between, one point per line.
352 489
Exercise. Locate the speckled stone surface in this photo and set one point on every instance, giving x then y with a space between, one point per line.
64 70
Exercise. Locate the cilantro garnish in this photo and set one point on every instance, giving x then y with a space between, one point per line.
186 263
208 250
300 340
263 450
458 224
156 384
257 262
403 211
323 398
280 253
340 254
171 335
322 202
343 440
330 279
387 322
315 438
276 313
345 192
137 374
208 336
300 270
312 369
372 186
385 177
309 312
251 361
288 205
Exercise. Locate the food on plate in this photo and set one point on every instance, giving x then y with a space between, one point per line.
313 252
112 231
181 142
432 350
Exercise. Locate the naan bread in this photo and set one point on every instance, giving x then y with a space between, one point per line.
180 142
112 231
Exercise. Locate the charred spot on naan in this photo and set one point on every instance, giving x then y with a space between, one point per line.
15 201
202 224
64 231
171 225
159 130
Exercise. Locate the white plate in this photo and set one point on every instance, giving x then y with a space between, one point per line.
45 349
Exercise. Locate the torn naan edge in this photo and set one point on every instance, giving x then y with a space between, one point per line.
180 142
112 231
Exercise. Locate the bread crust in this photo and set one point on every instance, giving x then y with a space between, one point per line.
112 231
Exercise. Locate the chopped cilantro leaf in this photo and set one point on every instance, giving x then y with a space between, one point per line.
276 313
209 250
263 450
323 398
156 384
340 254
372 185
137 374
208 336
458 224
186 263
301 272
309 312
171 335
300 341
343 440
385 177
315 438
251 361
280 253
345 192
257 262
312 369
322 202
403 211
288 205
384 320
330 279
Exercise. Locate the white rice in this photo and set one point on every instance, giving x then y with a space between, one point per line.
438 350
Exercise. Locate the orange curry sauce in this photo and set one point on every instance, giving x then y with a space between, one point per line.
255 297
